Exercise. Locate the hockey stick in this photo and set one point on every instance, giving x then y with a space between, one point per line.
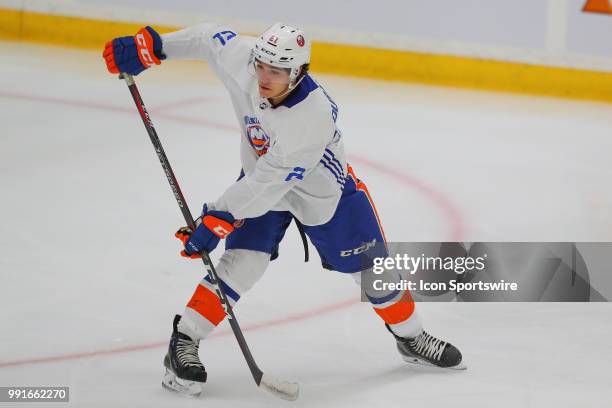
282 389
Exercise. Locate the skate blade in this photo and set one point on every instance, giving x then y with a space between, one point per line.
190 388
418 361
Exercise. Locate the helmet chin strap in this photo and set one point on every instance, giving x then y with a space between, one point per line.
290 88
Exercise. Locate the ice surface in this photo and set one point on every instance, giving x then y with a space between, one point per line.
91 277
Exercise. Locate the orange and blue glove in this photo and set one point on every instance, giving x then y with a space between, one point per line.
133 55
212 226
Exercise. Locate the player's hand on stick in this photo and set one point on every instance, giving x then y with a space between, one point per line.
212 226
133 55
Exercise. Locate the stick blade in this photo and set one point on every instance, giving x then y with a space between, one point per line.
283 389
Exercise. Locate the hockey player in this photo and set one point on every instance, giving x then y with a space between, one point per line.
293 167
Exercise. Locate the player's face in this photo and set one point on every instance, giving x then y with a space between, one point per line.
273 81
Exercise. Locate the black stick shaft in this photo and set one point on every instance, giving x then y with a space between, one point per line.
182 203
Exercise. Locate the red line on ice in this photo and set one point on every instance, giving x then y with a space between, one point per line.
445 204
184 102
292 318
453 215
118 109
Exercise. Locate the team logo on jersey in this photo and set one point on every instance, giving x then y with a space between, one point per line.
239 223
256 135
300 40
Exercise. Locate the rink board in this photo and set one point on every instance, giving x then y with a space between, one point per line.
343 59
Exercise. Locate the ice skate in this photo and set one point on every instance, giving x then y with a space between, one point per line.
185 372
425 349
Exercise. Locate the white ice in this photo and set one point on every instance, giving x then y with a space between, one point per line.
89 264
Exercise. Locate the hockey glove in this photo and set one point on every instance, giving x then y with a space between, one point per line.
134 54
211 227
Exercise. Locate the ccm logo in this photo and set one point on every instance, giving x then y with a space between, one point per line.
220 231
141 42
219 227
359 250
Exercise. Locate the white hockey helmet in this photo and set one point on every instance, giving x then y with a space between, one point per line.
283 46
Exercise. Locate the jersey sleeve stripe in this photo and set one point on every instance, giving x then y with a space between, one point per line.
335 165
336 161
333 172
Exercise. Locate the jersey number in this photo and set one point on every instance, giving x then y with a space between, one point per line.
298 173
224 36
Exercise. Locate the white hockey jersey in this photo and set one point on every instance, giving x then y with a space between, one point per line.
292 155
